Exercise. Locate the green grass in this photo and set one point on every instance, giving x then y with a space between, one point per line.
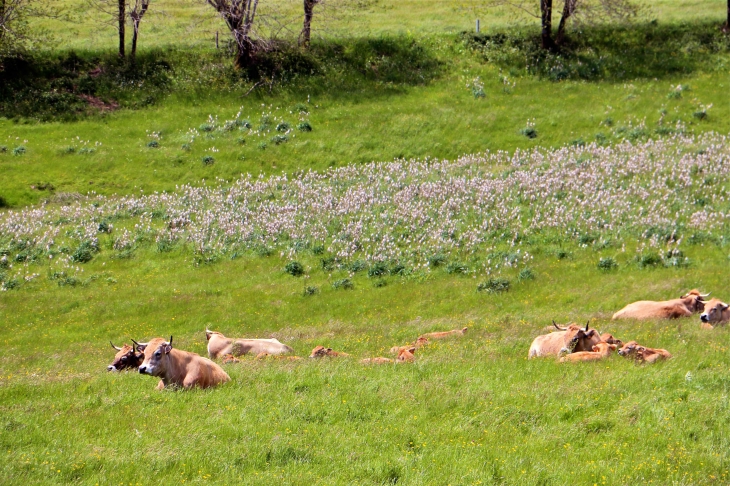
469 410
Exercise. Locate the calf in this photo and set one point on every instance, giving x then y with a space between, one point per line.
178 368
219 345
125 358
608 338
404 356
321 352
418 343
600 351
444 334
716 313
632 349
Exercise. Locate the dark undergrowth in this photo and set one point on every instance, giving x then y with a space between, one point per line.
611 52
72 85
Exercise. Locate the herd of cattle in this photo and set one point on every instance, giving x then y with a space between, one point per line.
571 343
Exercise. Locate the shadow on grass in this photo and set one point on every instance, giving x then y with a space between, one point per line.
611 53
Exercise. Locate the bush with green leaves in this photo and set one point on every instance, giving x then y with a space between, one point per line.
437 260
648 259
206 127
153 144
526 274
494 285
607 263
457 268
357 266
19 150
294 269
343 284
529 132
310 290
282 127
279 139
378 269
304 126
84 252
208 160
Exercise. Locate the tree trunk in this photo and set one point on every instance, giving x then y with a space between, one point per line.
567 12
122 17
727 23
135 34
136 14
2 18
307 28
244 53
546 10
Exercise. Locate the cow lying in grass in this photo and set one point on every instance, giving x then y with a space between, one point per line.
125 358
632 349
178 368
715 313
669 309
566 339
600 351
219 346
321 352
404 356
425 338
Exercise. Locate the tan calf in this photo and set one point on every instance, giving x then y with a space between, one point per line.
600 351
404 356
444 334
321 352
418 343
632 349
178 368
265 355
608 338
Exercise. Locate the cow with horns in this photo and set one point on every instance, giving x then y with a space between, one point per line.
125 358
175 367
566 339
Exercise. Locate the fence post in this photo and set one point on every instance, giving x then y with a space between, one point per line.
477 26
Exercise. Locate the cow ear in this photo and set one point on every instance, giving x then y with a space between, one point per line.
167 348
139 346
725 306
329 350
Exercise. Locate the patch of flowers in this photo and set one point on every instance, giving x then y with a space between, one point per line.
416 215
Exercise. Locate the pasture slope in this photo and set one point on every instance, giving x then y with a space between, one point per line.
631 202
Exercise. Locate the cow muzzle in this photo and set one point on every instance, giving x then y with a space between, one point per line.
111 368
143 370
704 318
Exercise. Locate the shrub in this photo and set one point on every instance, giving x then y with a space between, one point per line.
649 259
262 145
526 274
437 260
84 253
310 290
601 138
3 149
279 139
68 150
89 150
494 285
345 284
19 150
294 269
243 124
357 266
529 132
578 142
607 263
104 227
241 141
208 160
304 126
206 127
328 264
13 283
153 144
378 269
165 245
300 108
318 249
282 127
456 268
399 269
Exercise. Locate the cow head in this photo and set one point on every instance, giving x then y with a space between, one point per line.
156 353
320 352
608 338
209 334
631 349
715 311
694 300
577 338
126 357
406 355
604 348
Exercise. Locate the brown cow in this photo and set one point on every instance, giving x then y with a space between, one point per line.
632 349
125 358
600 351
716 313
321 351
667 309
444 334
567 339
608 338
418 343
405 356
219 346
178 368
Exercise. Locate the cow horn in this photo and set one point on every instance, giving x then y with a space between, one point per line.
558 327
115 347
705 295
137 345
170 341
587 325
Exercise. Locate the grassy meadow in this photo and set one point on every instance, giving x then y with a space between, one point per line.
183 207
